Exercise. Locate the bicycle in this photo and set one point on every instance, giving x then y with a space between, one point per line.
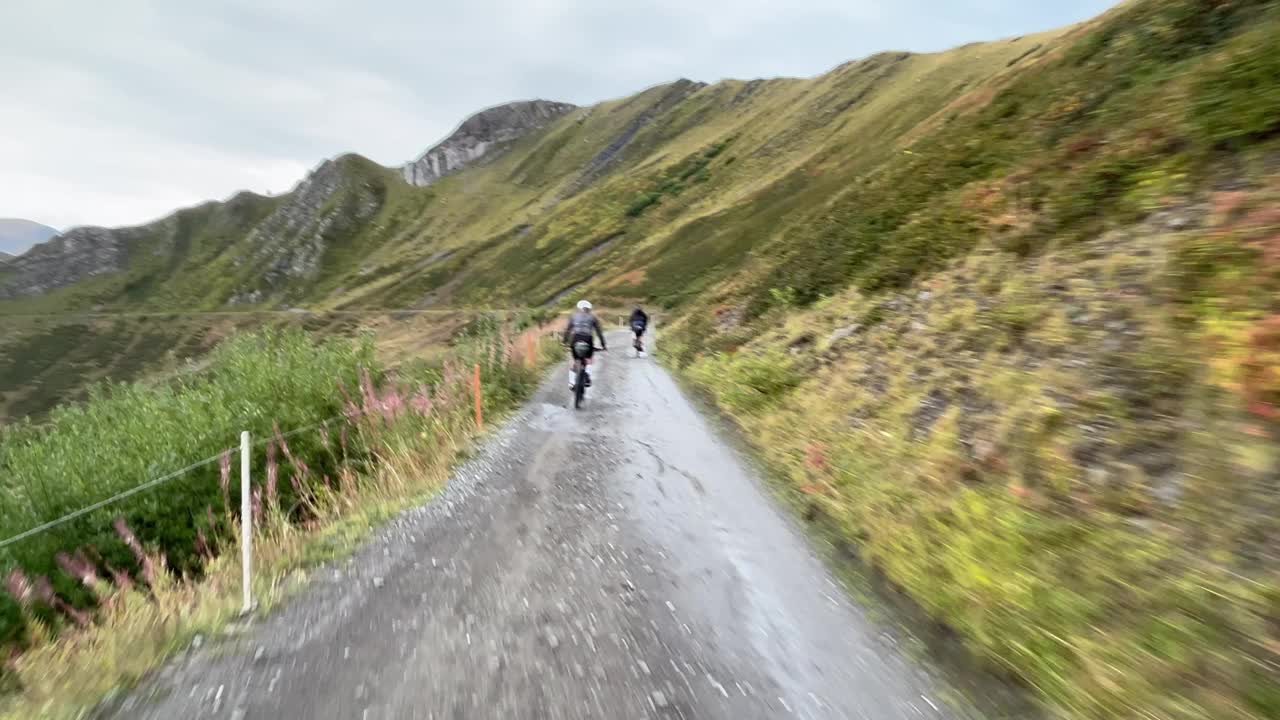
638 344
580 349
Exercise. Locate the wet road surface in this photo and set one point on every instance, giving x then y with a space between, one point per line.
614 562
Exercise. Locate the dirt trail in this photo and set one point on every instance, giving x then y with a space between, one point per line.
615 562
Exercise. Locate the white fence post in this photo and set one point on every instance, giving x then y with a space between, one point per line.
246 521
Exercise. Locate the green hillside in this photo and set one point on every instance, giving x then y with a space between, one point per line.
658 195
624 183
1005 318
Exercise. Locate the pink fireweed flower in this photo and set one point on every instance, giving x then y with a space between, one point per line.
202 546
392 404
148 566
421 402
224 479
43 590
19 587
350 408
120 578
78 567
368 393
273 475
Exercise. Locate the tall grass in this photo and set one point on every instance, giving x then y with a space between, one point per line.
128 434
154 565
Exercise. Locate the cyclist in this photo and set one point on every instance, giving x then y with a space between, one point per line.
639 322
582 327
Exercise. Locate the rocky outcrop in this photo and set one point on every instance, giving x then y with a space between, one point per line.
484 134
333 201
287 248
67 259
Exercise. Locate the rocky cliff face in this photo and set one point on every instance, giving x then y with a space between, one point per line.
481 135
289 245
67 259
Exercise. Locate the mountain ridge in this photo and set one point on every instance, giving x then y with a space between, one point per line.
481 134
646 109
481 138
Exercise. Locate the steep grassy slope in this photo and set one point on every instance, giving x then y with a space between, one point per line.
638 172
1030 369
685 178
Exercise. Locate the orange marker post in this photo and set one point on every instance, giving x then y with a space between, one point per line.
479 413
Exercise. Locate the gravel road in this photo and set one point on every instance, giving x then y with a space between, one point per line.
620 561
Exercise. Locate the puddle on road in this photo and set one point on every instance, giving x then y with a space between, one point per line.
562 418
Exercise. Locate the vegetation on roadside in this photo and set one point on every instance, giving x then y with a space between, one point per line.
1033 368
341 442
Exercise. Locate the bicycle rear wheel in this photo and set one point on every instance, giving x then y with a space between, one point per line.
580 385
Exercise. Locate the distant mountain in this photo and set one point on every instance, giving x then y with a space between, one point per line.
17 236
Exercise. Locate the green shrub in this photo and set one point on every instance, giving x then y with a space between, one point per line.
783 297
674 180
1237 97
747 383
643 202
128 434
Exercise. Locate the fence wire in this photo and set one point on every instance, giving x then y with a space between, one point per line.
150 484
104 503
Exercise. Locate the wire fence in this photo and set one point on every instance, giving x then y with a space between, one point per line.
157 482
250 449
136 490
176 474
247 447
295 312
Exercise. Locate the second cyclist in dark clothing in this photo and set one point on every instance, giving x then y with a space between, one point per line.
639 323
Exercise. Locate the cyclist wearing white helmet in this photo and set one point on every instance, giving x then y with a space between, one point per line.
583 327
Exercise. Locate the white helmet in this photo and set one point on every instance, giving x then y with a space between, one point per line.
584 305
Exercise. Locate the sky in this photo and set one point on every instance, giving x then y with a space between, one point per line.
116 113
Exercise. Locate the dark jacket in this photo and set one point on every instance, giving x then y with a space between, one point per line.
583 325
639 317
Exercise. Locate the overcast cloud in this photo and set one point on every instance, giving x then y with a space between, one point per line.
118 112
